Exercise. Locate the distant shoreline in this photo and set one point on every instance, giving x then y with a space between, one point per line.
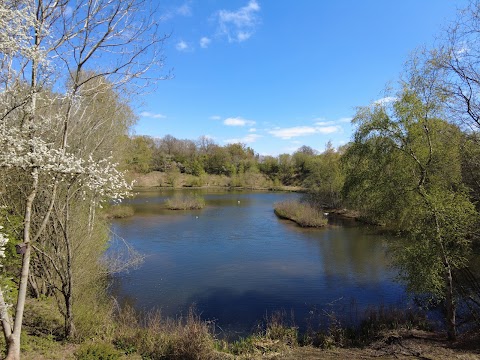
160 180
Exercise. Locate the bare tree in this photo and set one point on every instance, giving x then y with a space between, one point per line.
460 56
64 46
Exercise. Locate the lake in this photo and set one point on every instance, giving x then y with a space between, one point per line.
237 262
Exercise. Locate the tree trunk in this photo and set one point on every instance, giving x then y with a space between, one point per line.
13 349
13 342
450 305
5 317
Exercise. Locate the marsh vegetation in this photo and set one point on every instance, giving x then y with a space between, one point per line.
185 202
302 213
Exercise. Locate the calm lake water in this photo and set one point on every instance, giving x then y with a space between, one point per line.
238 262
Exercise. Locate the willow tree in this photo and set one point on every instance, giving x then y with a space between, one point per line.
404 169
63 46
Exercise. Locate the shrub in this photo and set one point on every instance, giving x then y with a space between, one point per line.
97 351
303 214
158 338
375 323
275 335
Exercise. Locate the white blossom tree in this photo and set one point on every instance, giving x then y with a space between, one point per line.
64 46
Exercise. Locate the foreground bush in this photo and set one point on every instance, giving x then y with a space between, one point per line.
186 202
187 338
303 214
97 351
375 322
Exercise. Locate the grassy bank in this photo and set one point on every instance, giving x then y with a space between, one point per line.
383 332
303 214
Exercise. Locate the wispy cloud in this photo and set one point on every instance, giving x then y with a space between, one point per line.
241 24
183 10
148 114
248 139
238 121
325 123
252 130
182 46
288 133
385 100
204 42
215 117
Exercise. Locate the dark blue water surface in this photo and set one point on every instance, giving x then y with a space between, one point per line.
237 262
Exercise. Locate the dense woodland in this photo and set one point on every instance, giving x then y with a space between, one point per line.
413 164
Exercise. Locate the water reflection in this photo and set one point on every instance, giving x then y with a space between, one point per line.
236 260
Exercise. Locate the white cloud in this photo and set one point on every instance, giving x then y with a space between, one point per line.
238 121
204 42
148 114
182 46
242 36
184 10
325 123
288 133
239 25
385 101
252 130
250 138
215 117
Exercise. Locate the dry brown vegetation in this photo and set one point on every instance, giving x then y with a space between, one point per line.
303 214
185 202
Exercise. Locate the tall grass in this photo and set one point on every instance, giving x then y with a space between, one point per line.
155 337
302 213
185 202
373 324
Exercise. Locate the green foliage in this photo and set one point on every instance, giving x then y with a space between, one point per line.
42 318
470 161
173 176
404 169
140 156
426 245
325 179
97 351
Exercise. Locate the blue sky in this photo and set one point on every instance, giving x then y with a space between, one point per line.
279 74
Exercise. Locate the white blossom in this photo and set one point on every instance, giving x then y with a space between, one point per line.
3 242
98 176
